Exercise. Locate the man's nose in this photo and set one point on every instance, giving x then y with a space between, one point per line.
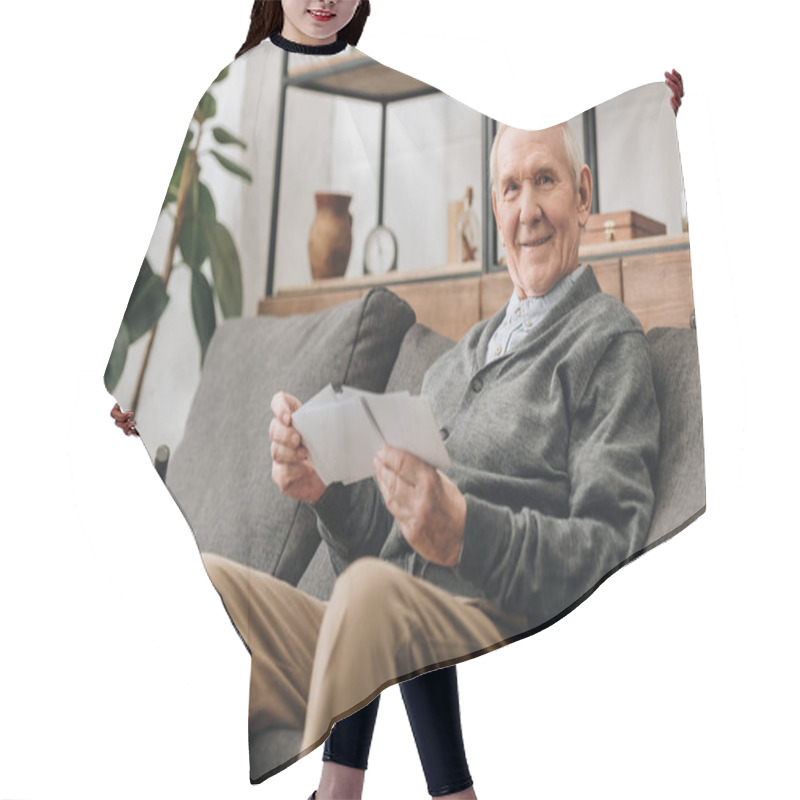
530 210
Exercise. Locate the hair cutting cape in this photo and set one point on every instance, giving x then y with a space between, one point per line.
291 155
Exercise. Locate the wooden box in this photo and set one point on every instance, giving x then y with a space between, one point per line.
619 226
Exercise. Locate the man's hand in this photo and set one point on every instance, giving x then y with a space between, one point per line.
427 505
291 470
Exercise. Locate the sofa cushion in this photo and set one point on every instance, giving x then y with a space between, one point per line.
220 473
421 347
680 479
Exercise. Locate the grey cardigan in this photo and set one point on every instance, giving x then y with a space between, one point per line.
554 447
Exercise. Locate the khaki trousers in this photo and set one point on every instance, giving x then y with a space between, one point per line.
316 662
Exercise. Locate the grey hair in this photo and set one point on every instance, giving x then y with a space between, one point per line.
574 159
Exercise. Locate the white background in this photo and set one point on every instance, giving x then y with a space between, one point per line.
120 675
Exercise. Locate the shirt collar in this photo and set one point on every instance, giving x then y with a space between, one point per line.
531 310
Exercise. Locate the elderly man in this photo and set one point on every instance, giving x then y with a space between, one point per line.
549 415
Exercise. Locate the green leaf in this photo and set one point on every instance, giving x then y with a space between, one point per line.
206 108
116 361
231 167
205 318
222 75
192 241
170 197
226 269
205 202
145 273
147 303
226 137
200 211
175 180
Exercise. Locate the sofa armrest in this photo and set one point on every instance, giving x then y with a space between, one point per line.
680 480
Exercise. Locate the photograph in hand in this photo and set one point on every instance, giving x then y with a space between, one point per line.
343 431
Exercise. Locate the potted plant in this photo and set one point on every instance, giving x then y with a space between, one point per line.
197 237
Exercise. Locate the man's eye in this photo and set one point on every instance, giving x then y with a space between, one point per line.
545 179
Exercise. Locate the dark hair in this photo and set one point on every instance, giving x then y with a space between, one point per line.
266 19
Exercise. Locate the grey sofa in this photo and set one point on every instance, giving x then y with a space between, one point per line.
220 473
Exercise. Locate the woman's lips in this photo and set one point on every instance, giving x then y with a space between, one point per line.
322 16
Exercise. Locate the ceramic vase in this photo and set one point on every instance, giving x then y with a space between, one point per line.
331 236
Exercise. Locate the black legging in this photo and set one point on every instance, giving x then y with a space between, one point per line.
432 706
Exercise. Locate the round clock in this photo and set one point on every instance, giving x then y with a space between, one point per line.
380 251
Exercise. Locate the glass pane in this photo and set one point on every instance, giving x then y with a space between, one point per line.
332 144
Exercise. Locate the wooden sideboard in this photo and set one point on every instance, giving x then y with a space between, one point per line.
652 276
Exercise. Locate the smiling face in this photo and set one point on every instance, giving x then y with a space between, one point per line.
539 210
315 22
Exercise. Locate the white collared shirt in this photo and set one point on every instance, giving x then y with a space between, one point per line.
522 316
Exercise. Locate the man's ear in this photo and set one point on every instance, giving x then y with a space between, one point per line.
494 208
585 188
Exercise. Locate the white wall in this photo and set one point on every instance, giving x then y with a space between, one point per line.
638 160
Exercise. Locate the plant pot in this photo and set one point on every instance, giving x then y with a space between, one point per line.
331 236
